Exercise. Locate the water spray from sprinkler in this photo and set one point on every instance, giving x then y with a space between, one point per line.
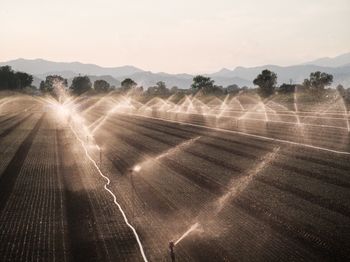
131 180
192 228
137 168
172 244
236 188
100 153
167 153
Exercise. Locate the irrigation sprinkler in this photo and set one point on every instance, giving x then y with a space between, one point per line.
100 152
172 252
100 156
131 180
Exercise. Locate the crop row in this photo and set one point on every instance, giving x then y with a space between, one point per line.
149 145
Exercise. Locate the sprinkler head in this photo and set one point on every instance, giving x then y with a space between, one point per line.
137 168
172 253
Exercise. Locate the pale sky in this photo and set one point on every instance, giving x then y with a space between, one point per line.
175 36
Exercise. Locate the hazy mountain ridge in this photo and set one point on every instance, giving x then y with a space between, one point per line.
338 66
296 73
43 67
338 61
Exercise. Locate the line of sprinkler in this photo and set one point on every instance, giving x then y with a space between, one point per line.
73 119
108 190
172 244
131 171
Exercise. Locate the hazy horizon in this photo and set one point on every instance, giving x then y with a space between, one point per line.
175 37
126 65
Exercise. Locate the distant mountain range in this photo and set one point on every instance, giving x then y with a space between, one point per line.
338 61
338 66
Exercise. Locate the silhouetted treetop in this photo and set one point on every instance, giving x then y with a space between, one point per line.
101 86
201 82
318 80
53 81
128 84
159 90
80 84
205 85
267 82
10 79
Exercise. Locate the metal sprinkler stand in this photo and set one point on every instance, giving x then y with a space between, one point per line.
131 171
100 156
172 252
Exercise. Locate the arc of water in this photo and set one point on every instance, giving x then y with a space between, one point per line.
239 103
223 106
296 109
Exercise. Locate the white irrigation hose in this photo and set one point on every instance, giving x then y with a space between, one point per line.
114 197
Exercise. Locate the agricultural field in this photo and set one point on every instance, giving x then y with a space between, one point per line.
110 178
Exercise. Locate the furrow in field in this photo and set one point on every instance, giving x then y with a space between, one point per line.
179 168
316 199
9 176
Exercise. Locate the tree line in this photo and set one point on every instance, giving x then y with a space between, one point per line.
9 79
266 83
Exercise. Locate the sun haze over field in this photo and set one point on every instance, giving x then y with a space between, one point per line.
173 130
175 36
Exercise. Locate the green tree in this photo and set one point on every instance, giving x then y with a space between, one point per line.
318 81
128 84
341 90
10 79
267 82
162 89
51 82
174 90
101 86
202 83
286 88
6 77
233 89
23 80
80 85
159 90
161 85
